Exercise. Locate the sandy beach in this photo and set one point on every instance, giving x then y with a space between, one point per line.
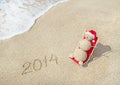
40 56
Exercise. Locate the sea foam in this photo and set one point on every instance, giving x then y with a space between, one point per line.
18 16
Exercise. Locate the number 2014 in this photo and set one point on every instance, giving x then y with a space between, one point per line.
37 64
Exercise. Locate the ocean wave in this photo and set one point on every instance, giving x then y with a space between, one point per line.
18 16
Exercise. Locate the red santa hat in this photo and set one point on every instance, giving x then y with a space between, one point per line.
91 33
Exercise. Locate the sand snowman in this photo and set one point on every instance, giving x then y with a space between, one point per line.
84 45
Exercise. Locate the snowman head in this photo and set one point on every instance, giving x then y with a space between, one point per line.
90 35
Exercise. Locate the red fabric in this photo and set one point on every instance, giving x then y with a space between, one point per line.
93 32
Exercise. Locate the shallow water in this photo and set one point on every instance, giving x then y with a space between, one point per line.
17 16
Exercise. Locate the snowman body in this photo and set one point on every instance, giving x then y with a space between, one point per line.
80 52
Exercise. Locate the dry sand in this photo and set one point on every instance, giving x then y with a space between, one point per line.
40 56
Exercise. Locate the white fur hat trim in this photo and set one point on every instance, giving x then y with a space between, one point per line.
89 33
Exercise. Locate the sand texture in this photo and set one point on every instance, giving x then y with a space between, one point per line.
40 56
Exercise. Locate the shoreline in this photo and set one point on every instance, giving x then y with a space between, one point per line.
7 35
